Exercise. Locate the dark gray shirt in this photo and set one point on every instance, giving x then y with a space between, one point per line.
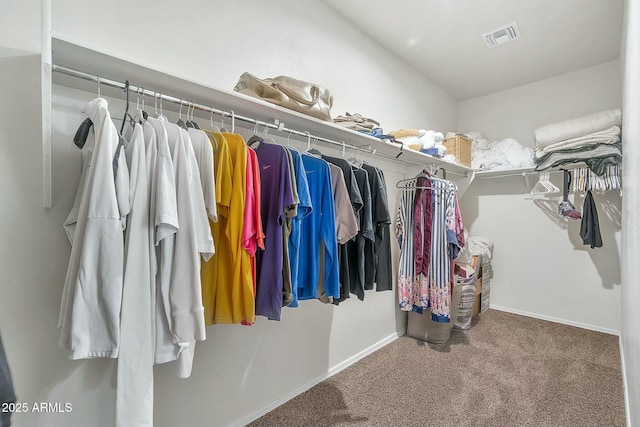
378 253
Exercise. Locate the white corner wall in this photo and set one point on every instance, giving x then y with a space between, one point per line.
631 238
238 371
539 267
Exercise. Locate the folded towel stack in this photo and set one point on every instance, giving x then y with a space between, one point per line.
361 124
594 139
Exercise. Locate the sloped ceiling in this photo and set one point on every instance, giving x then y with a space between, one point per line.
442 38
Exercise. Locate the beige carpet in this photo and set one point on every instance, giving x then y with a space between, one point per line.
507 370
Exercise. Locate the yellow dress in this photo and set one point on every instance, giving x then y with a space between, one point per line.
223 170
227 284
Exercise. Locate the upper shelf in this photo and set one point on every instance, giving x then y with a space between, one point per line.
73 54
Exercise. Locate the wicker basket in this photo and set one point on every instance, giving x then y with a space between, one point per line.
459 146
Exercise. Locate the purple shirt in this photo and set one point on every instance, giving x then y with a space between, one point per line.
276 195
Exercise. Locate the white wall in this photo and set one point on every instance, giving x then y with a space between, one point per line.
216 41
631 239
515 113
238 370
540 267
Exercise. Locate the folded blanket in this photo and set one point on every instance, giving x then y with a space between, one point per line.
607 136
597 157
550 134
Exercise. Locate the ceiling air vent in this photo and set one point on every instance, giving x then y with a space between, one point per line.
501 35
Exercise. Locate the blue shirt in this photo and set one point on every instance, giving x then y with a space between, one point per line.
305 207
318 227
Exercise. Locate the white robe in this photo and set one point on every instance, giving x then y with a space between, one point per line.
92 295
134 394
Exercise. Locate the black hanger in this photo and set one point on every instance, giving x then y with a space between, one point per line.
80 137
191 123
315 151
181 122
126 110
254 141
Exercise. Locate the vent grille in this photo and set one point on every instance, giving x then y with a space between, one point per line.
501 35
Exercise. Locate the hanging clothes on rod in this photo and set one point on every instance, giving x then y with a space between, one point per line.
429 230
202 229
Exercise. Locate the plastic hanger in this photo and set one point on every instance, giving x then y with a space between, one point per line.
267 138
222 128
411 183
191 122
180 122
255 139
213 125
544 186
139 113
311 151
289 140
355 160
126 110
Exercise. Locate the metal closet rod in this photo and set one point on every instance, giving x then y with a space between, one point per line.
157 95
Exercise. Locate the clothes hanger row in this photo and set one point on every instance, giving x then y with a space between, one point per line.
411 183
584 179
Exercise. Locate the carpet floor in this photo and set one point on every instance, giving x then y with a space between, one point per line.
507 370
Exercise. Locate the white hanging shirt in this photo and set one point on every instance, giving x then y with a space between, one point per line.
166 225
134 393
92 295
204 156
202 230
183 298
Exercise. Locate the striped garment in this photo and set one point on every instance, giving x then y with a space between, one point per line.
420 291
439 268
404 234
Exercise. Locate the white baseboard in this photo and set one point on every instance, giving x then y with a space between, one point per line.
332 371
624 384
556 320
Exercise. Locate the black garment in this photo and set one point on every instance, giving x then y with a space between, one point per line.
378 253
7 395
356 204
590 228
355 247
350 180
